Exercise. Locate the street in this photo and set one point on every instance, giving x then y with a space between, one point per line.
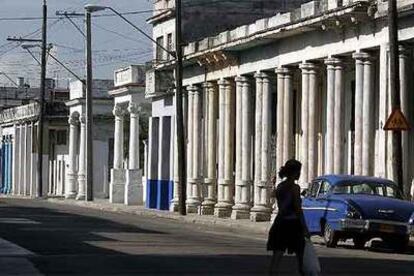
54 240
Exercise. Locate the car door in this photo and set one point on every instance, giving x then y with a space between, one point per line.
322 204
310 207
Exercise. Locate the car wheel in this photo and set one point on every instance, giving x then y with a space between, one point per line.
359 242
330 236
398 243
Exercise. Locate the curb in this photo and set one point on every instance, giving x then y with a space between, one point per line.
238 226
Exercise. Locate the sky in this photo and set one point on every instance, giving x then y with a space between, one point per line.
115 44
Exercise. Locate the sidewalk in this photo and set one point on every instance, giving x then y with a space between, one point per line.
236 226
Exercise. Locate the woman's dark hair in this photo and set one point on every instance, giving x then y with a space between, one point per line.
291 167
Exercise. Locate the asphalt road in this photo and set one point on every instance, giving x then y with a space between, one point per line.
41 238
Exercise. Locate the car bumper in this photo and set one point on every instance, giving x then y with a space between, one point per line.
376 226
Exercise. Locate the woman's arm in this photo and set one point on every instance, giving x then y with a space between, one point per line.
297 205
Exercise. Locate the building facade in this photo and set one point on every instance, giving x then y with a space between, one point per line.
310 84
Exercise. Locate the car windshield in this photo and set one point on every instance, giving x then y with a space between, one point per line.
368 188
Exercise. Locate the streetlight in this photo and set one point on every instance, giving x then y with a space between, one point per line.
90 8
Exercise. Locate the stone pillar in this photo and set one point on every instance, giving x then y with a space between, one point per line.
21 161
117 185
304 153
72 175
330 115
406 109
210 181
226 140
193 155
243 149
312 123
279 116
82 160
359 95
16 164
339 119
261 210
288 137
133 178
368 119
175 202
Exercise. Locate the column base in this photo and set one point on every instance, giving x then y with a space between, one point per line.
240 214
174 206
222 210
260 216
71 195
207 208
133 188
117 186
192 209
80 197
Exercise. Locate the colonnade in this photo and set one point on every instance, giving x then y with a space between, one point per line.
233 181
126 179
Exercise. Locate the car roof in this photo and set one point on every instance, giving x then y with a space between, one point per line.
336 179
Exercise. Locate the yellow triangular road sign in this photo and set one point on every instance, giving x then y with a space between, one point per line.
397 121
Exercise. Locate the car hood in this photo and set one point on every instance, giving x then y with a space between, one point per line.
378 207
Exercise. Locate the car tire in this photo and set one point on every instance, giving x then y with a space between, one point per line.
359 242
398 243
330 236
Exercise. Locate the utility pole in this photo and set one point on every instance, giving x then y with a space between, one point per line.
40 127
182 174
89 113
395 89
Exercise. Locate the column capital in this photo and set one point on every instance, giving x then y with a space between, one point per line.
403 51
308 66
361 56
283 71
224 82
241 79
82 119
134 108
119 110
74 118
209 85
333 61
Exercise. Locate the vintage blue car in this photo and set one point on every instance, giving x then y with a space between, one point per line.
340 207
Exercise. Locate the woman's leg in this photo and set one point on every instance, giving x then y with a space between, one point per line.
274 263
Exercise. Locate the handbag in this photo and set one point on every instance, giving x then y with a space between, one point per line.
311 265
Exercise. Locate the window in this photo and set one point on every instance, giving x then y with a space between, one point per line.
314 189
61 137
170 45
369 188
159 51
325 186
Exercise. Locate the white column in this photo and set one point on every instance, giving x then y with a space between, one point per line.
21 161
304 153
368 119
288 139
261 210
330 115
406 109
243 149
118 137
190 137
339 119
193 157
279 116
312 123
225 184
16 164
210 180
117 185
82 159
72 174
133 178
359 95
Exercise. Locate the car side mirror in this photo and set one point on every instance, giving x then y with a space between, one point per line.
304 192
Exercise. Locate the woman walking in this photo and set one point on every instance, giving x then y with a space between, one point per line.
289 229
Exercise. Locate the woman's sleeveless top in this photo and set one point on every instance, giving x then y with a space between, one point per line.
285 201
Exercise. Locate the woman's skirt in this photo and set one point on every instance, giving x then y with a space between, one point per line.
286 234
